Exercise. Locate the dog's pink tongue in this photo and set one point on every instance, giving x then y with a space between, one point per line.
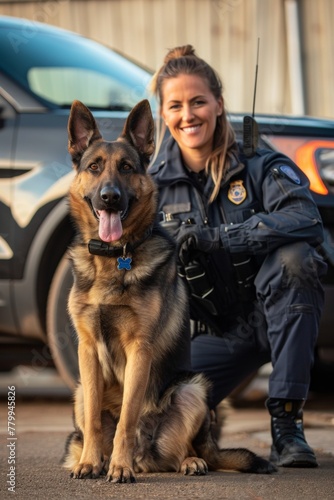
110 227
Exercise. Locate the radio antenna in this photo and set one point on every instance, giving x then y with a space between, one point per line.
250 128
256 72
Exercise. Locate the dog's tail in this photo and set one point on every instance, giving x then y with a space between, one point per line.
238 459
73 450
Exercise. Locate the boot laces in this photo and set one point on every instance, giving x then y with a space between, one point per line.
289 427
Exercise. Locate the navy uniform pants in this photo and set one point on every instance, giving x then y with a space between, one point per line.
280 327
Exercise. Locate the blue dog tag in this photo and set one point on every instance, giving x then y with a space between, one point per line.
124 263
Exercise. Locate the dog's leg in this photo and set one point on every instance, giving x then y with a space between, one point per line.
137 372
165 436
187 444
186 413
91 461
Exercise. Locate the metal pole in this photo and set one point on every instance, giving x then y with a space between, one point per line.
294 57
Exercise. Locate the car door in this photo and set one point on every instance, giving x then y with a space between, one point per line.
8 128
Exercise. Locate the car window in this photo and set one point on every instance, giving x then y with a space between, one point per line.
325 158
63 85
61 68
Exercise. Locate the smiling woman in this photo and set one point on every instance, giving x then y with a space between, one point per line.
248 234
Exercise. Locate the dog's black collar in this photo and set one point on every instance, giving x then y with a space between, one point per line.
99 247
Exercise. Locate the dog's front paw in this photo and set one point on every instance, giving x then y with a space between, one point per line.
194 466
120 474
86 471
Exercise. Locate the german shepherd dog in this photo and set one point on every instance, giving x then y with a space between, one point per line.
138 407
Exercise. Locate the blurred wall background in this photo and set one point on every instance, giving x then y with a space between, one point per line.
296 58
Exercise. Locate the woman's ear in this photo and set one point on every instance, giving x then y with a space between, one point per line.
162 115
220 109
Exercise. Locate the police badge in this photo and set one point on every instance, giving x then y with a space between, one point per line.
237 192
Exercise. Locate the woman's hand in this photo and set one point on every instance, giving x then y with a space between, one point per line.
192 239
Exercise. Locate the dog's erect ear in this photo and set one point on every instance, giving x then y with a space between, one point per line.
139 129
82 130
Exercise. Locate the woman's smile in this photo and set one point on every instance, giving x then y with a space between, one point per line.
191 130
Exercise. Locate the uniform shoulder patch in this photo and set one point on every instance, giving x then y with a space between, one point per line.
290 173
237 192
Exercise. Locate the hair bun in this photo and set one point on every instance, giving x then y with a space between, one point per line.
175 53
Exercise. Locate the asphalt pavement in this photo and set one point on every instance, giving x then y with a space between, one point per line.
30 457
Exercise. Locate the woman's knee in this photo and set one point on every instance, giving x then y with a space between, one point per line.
301 265
294 266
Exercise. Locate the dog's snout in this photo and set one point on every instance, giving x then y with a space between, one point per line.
110 194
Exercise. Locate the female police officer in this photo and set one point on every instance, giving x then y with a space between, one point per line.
248 232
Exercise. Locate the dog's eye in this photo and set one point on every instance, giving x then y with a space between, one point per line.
93 167
126 167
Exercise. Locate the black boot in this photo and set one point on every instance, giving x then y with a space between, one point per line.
289 448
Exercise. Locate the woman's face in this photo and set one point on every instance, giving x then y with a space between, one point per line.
190 111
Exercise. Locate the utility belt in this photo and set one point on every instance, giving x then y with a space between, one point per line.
200 328
245 268
212 299
217 283
202 291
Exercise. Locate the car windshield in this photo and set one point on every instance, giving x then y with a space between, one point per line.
61 68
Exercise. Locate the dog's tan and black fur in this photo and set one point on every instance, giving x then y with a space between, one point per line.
138 407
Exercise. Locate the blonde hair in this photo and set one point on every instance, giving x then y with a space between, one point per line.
183 60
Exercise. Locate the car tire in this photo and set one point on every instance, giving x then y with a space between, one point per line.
61 334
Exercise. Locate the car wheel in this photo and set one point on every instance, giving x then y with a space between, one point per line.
61 334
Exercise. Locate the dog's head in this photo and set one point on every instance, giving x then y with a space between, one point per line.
111 176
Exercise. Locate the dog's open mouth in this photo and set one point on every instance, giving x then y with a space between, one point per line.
110 225
110 222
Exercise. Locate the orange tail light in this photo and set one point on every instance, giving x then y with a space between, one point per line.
302 152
